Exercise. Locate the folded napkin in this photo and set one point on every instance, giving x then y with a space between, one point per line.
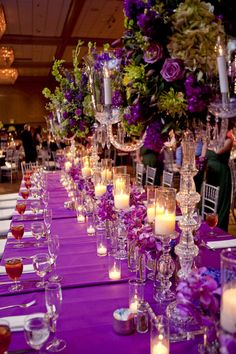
17 322
7 204
222 244
4 226
2 246
26 234
9 196
6 213
29 198
28 212
27 268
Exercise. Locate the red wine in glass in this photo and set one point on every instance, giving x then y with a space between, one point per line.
25 194
17 231
20 207
5 336
28 184
14 269
212 221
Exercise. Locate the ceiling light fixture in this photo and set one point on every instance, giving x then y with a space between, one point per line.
8 76
3 24
6 56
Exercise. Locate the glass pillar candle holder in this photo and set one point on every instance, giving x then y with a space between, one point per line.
228 284
101 243
136 294
80 213
121 186
151 204
164 229
159 335
114 268
86 169
106 170
119 170
100 187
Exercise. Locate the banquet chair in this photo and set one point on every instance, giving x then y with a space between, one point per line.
10 169
167 179
27 166
139 173
150 175
210 197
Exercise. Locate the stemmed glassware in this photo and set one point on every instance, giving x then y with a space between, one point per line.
42 265
53 249
37 229
14 269
37 330
53 298
5 335
17 230
45 198
20 208
212 221
47 217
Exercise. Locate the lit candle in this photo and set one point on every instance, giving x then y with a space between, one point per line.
134 304
159 209
114 273
101 250
228 310
120 184
100 189
159 348
90 230
223 75
164 223
150 213
86 171
121 201
68 165
107 87
80 218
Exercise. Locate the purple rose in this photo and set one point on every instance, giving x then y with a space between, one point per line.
172 70
78 112
153 53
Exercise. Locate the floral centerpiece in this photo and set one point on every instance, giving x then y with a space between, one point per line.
71 100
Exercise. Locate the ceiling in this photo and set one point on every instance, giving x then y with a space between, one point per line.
41 30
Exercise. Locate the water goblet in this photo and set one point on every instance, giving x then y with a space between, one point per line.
14 269
212 221
37 330
25 194
37 229
53 249
42 265
47 217
45 198
17 230
53 298
35 207
5 335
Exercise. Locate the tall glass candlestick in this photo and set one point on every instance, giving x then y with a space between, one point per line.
222 70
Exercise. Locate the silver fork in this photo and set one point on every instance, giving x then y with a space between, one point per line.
28 304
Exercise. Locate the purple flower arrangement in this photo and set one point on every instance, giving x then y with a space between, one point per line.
106 208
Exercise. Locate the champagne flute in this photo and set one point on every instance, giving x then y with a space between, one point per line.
37 330
17 230
212 221
53 248
47 217
42 265
5 335
14 269
37 229
53 298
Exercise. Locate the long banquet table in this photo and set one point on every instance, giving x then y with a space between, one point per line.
89 296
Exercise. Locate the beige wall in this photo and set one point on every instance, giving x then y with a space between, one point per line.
22 102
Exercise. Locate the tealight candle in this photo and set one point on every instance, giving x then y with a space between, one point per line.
90 230
150 213
101 250
159 348
134 303
100 189
228 310
164 223
86 171
80 218
114 273
121 201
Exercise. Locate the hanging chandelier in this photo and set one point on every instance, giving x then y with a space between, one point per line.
8 75
6 56
3 24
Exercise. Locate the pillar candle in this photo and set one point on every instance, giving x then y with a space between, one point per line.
228 310
121 201
159 348
100 189
107 91
164 224
150 213
223 75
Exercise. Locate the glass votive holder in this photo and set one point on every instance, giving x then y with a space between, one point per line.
228 285
119 170
151 204
101 243
165 213
91 229
121 191
136 294
114 268
159 335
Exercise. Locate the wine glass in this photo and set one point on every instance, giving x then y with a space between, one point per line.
53 248
47 217
53 298
37 229
42 265
14 269
25 194
20 208
35 207
17 231
5 335
45 198
37 330
212 221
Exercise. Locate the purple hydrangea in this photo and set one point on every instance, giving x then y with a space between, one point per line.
106 208
172 70
135 113
153 139
117 98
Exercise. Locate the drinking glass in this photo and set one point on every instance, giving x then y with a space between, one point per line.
37 330
14 269
35 207
5 335
212 221
17 231
53 249
47 217
20 208
159 335
25 194
42 265
53 298
136 294
45 199
37 229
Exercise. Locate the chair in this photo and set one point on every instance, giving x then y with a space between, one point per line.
28 166
210 196
150 175
10 168
167 179
139 173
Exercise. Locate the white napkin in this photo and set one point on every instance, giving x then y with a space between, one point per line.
17 322
27 268
2 246
28 212
26 234
4 226
29 198
9 196
6 213
222 244
7 204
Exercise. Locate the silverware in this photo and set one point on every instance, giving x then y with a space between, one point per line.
28 304
204 244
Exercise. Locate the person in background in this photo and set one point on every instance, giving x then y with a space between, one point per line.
37 137
171 143
28 144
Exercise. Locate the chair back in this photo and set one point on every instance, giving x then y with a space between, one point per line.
167 179
210 197
28 166
150 175
139 173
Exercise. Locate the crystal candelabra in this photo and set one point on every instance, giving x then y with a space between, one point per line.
187 198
